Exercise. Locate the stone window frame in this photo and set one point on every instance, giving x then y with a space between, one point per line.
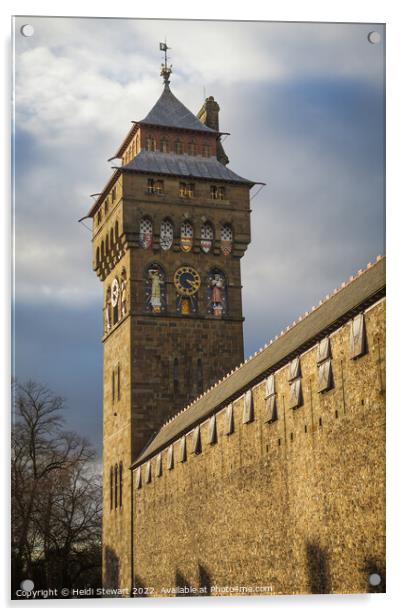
271 412
212 435
229 420
324 366
159 466
170 458
138 478
248 407
358 339
196 442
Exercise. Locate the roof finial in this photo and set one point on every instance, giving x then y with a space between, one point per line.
165 69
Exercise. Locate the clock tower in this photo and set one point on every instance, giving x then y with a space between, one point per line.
169 230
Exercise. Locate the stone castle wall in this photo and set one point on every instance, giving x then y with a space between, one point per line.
295 505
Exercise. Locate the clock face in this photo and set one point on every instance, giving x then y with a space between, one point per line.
187 280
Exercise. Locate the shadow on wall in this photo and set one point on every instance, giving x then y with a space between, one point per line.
181 584
318 571
112 569
140 589
372 569
204 580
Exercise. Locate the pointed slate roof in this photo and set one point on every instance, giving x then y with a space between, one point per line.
183 165
169 111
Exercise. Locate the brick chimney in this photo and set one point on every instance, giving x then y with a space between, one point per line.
209 115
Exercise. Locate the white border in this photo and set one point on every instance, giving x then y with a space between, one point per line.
286 10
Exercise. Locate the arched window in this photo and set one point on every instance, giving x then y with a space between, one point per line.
97 256
166 235
102 249
121 484
217 293
155 289
123 293
115 300
111 238
116 230
200 376
108 311
146 232
116 486
186 236
107 244
106 205
226 239
207 237
176 376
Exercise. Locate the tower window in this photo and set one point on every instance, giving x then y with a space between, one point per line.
99 217
118 381
207 236
121 484
114 195
106 205
176 376
186 190
166 234
186 236
226 239
206 150
154 187
111 487
151 144
178 147
116 485
145 233
217 192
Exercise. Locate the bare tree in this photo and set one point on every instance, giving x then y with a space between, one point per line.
56 493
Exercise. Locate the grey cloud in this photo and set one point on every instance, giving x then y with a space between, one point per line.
304 104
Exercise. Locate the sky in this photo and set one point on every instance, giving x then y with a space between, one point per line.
304 106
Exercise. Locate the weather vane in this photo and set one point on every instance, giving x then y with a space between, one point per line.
165 69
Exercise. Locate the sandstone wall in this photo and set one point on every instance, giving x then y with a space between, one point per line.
292 506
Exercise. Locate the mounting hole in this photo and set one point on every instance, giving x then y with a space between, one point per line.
27 585
374 37
374 579
27 30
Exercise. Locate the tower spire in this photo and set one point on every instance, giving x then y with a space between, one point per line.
165 69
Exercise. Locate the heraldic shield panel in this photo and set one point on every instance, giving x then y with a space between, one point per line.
183 423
